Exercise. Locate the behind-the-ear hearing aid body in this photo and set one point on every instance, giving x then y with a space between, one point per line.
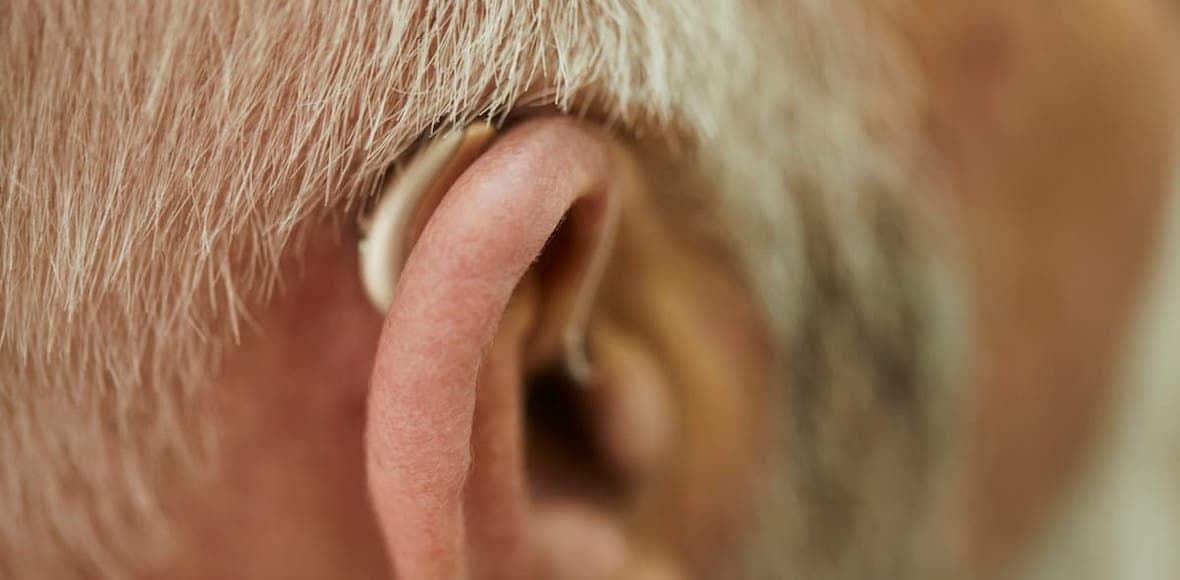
410 197
406 203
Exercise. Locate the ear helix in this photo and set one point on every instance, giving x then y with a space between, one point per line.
389 231
406 203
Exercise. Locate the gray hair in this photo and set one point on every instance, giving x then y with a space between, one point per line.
159 159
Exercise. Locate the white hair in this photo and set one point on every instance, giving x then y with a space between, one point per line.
158 160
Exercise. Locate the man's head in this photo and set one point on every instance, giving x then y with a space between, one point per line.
849 325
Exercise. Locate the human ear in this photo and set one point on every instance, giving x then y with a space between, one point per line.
495 449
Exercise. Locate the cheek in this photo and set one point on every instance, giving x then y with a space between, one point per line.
1060 136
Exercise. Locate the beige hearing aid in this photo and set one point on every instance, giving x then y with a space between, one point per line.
405 205
411 196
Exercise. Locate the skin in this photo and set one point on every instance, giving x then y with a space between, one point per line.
294 451
1036 176
1052 123
1057 123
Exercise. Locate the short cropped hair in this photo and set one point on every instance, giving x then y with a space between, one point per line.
157 160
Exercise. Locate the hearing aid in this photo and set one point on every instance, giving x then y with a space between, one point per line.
405 204
411 195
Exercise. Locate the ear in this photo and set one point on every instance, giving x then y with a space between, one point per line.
495 448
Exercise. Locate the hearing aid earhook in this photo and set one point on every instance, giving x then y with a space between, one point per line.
410 197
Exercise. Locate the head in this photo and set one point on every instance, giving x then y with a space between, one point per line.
849 324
